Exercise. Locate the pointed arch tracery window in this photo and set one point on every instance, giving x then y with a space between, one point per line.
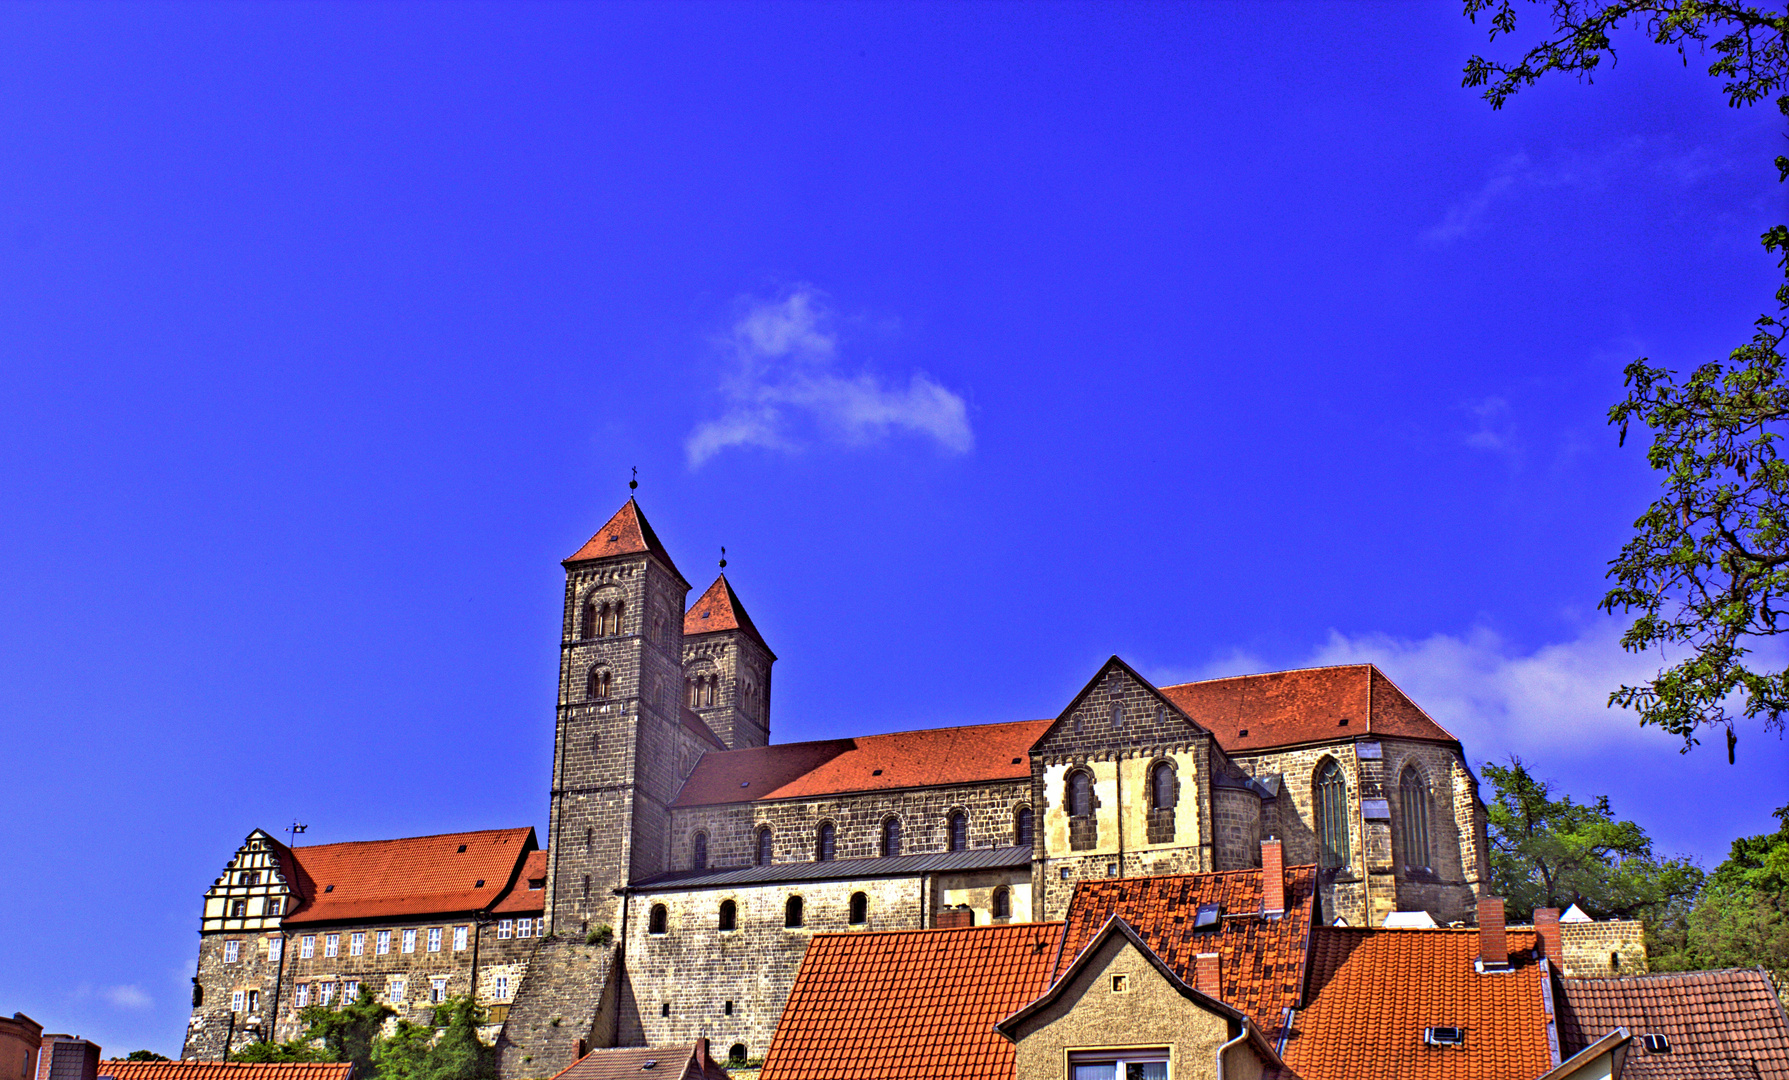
1413 810
1329 804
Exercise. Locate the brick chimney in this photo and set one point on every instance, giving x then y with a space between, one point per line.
1273 878
702 1057
1205 975
951 918
1493 946
1546 925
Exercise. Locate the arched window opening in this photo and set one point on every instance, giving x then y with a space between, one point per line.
729 915
736 1055
596 684
1083 827
1330 803
1022 827
699 852
1164 793
823 847
689 691
1003 903
891 836
1413 807
763 852
655 921
708 690
792 912
860 908
590 627
1118 714
957 831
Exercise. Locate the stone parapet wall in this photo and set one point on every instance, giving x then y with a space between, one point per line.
565 1005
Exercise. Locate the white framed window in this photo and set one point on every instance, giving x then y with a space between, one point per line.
350 991
409 941
238 1000
523 928
459 939
302 997
270 907
438 992
502 989
434 939
383 943
326 994
332 944
232 951
1140 1064
506 929
394 990
307 946
276 948
357 943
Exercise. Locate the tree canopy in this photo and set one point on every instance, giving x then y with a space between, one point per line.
366 1032
1741 918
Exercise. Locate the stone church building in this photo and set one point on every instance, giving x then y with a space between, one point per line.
688 859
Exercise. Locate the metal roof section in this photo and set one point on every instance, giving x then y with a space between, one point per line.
942 862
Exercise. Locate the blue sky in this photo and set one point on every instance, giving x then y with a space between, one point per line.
990 340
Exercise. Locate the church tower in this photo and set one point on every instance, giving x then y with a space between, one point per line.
623 743
726 668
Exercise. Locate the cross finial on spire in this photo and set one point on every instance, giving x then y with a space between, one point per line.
634 484
723 556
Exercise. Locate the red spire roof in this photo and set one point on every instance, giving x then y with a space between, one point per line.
719 609
627 533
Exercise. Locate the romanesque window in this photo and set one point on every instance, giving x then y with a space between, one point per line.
891 836
823 847
1413 807
708 684
596 685
1329 804
1118 714
1002 905
736 1054
729 915
655 922
699 852
591 627
612 614
792 912
1083 827
956 829
1164 793
764 846
1022 827
860 908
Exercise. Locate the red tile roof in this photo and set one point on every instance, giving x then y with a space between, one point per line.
218 1070
420 875
719 609
698 727
1284 708
1260 961
1372 992
630 1062
1719 1023
941 756
523 900
912 1003
627 533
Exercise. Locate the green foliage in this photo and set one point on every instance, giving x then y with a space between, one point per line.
144 1055
348 1033
292 1050
1708 566
1742 917
1554 852
600 935
446 1049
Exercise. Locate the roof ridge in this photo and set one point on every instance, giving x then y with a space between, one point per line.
390 840
861 934
882 735
1281 671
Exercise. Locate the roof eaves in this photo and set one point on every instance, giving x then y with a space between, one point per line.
1616 1040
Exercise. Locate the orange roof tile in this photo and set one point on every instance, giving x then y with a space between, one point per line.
627 533
420 875
524 898
681 1062
909 1003
1284 708
1372 992
1719 1023
940 756
1260 960
218 1070
719 609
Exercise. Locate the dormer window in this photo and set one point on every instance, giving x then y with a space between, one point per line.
1656 1044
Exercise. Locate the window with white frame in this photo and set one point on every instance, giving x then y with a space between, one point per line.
276 947
382 944
350 991
357 943
302 997
502 988
307 946
506 929
437 991
523 928
232 950
394 990
326 994
238 1000
409 941
1142 1064
332 944
434 939
459 939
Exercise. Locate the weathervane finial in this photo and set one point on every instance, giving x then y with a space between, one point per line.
723 556
634 484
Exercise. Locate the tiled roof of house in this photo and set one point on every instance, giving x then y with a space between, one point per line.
632 1062
719 609
1373 992
1260 960
219 1070
1285 708
526 898
627 533
1719 1023
915 1004
419 875
977 754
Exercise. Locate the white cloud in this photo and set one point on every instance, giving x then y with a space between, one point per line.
1493 432
785 389
126 997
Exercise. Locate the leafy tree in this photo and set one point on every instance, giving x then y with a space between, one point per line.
144 1055
1742 917
1554 852
447 1050
297 1049
1708 565
349 1033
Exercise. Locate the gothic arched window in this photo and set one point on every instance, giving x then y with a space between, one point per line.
1413 807
957 831
860 908
655 922
823 846
1080 794
1022 827
729 915
764 846
1329 803
891 836
792 912
699 852
1003 903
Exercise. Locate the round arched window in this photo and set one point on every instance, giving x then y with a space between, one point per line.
1080 794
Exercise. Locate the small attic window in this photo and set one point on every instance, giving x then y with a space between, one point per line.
705 614
462 850
1017 760
537 883
1121 984
1343 722
875 772
329 888
1656 1044
479 884
1444 1036
613 538
1244 732
1208 917
653 1064
745 783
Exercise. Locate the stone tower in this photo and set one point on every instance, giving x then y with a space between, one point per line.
726 668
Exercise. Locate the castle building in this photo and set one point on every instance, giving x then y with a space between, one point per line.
689 860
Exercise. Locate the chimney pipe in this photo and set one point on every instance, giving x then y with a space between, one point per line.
702 1057
1205 975
1273 878
1493 946
1546 925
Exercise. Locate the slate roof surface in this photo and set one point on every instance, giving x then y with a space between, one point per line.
719 609
523 900
218 1070
1372 992
1719 1023
419 875
941 756
842 869
1285 708
1260 960
631 1063
916 1004
627 533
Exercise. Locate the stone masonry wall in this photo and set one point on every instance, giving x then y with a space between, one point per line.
254 969
565 1006
733 657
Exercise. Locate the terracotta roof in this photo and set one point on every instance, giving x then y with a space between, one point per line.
420 875
698 727
218 1070
627 533
521 899
1284 708
719 609
1372 992
1719 1023
978 754
631 1062
910 1003
1260 960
